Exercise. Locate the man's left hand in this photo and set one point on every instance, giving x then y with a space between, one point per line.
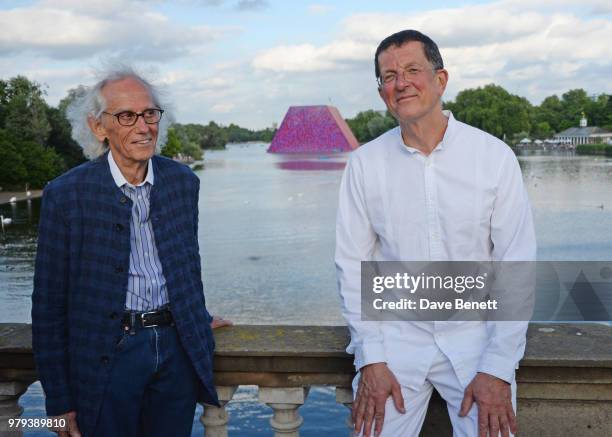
494 399
218 322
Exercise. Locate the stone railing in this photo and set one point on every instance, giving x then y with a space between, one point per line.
564 383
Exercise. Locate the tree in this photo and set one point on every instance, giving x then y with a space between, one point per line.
492 109
43 164
24 110
369 124
213 137
173 145
549 111
13 171
573 104
60 138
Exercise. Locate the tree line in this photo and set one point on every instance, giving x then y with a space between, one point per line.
36 143
507 116
190 139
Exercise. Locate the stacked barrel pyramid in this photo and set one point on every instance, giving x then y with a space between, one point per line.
313 129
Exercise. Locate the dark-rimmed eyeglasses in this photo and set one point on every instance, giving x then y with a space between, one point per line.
129 118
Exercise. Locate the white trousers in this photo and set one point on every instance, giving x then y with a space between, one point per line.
441 376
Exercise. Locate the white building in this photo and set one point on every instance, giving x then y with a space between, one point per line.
583 134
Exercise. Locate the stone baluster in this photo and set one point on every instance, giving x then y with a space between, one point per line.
285 402
214 418
9 405
344 396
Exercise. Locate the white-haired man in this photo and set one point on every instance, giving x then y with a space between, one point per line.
431 189
121 335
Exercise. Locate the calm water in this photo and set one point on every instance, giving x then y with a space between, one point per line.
267 240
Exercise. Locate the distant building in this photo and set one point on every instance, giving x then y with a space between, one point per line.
313 129
583 134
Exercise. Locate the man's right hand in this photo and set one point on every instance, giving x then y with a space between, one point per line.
71 429
376 384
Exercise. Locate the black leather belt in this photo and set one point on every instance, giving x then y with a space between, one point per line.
148 319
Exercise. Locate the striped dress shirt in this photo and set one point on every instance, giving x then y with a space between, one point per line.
146 289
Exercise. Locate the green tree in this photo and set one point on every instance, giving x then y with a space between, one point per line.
367 125
43 163
213 137
173 145
13 172
24 110
192 149
492 109
573 104
60 138
549 111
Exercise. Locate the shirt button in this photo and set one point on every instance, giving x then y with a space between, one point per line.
119 227
123 199
104 359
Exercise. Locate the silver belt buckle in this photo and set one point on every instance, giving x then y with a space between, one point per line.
142 319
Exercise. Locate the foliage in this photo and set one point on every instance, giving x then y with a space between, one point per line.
35 144
592 149
492 109
215 136
173 145
24 109
60 138
370 124
26 161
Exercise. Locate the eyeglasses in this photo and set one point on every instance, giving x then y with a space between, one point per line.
407 75
129 118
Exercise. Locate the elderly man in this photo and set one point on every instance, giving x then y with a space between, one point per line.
122 338
431 189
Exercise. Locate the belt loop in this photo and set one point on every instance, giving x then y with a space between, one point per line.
132 323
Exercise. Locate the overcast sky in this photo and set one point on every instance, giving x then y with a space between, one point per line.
247 61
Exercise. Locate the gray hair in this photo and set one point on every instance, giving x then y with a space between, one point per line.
89 102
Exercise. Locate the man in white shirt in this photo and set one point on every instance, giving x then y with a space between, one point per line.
431 189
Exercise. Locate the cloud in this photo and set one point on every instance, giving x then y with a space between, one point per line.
68 29
507 42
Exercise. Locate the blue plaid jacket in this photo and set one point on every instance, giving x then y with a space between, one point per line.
81 277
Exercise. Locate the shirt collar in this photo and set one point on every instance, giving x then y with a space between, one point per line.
120 179
451 127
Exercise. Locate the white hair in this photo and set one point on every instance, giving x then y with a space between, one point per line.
89 102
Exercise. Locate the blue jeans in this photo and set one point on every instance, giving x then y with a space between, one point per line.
152 389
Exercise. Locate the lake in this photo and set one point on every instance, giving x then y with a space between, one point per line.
266 236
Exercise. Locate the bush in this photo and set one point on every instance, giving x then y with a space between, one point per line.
591 149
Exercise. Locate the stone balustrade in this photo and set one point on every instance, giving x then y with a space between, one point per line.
564 383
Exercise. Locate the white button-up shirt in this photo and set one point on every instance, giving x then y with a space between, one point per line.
464 202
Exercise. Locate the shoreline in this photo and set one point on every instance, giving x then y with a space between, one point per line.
5 196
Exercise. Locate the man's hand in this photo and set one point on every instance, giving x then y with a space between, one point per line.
494 399
218 322
376 384
71 429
